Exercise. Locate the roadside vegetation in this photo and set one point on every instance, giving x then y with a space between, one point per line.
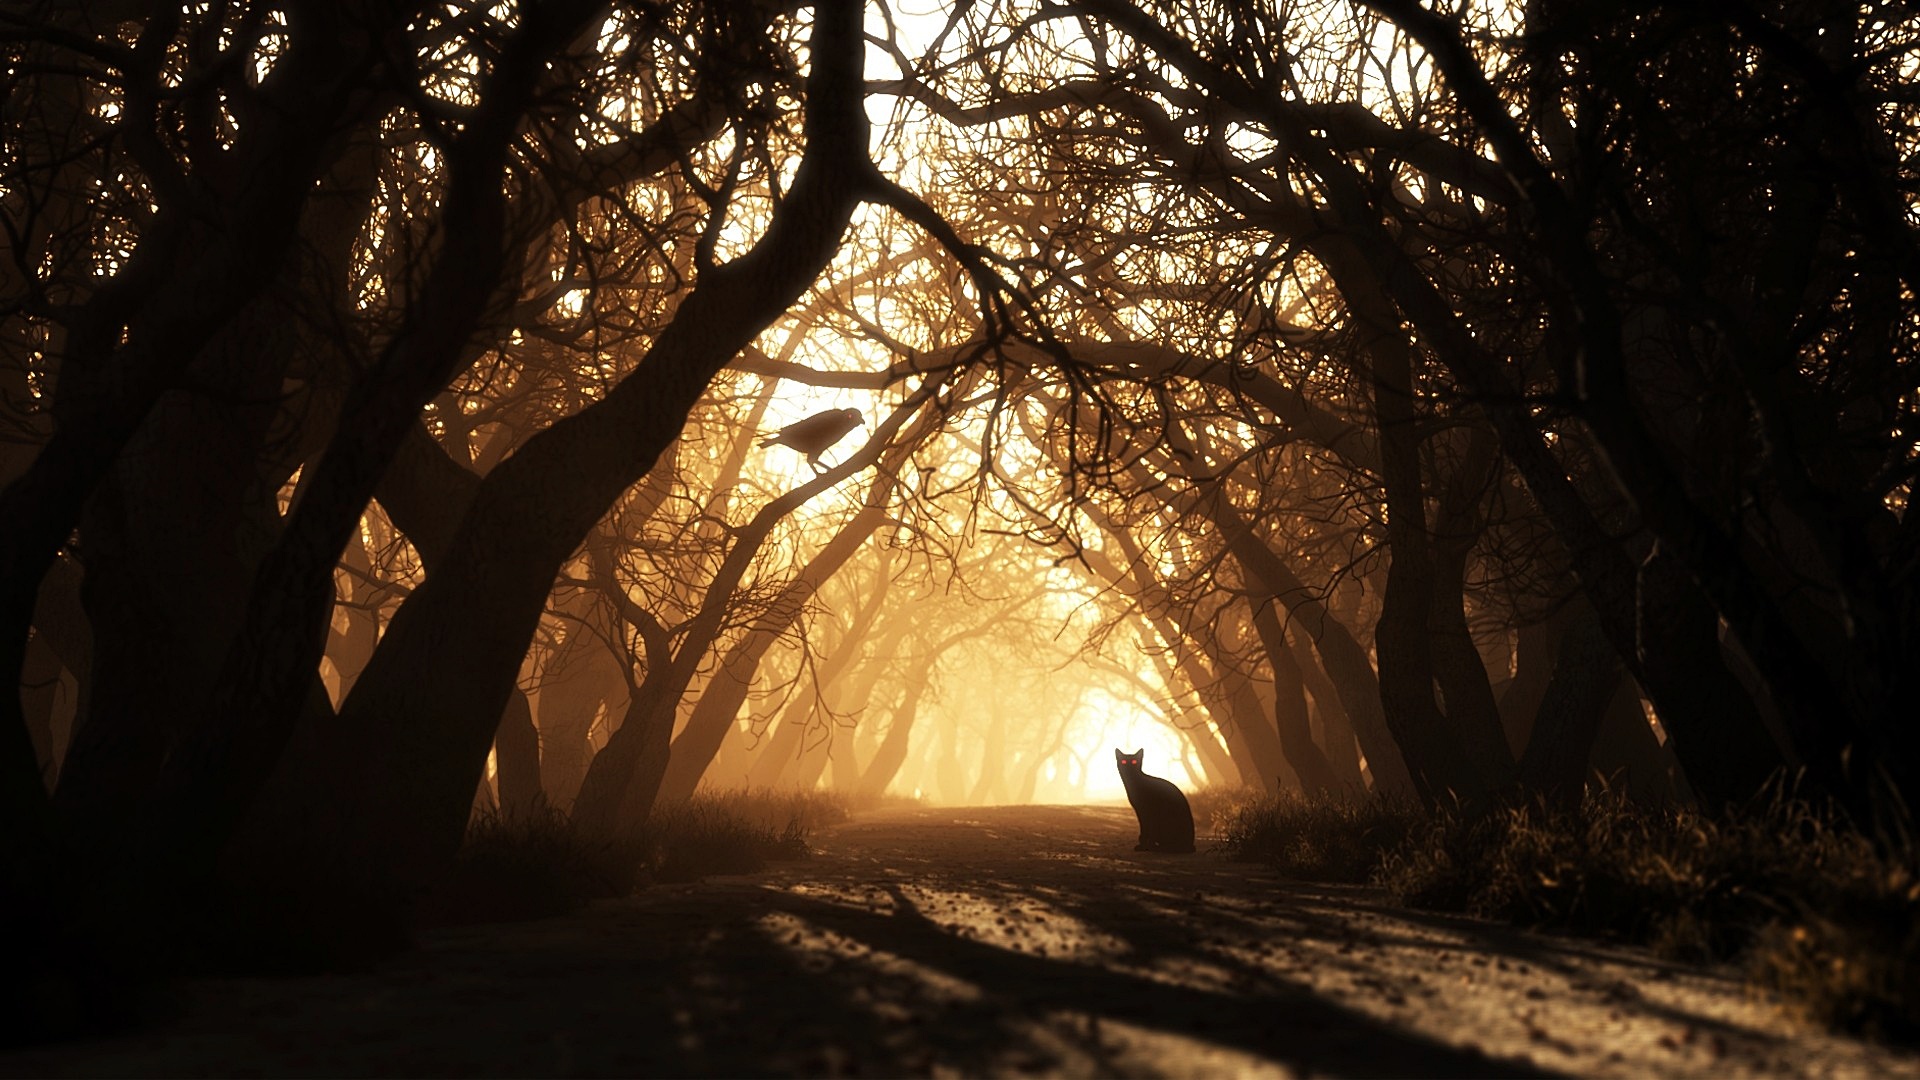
1821 916
532 862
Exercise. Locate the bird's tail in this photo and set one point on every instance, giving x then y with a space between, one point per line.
769 440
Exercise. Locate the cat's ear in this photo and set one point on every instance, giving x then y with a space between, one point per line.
1118 756
1139 752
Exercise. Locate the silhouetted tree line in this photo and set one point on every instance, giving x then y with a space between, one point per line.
1428 398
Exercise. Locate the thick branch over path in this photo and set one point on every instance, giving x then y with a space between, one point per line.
1296 413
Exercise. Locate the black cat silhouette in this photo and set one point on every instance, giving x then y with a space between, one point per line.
1166 821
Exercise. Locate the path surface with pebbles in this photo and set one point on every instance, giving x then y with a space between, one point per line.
991 941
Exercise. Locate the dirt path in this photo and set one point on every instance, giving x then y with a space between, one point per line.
987 941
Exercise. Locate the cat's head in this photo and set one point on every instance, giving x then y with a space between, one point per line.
1125 760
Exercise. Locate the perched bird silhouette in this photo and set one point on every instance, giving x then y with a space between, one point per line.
815 434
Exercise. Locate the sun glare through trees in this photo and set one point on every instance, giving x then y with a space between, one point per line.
569 440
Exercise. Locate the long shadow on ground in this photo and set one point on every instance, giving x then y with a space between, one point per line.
1022 941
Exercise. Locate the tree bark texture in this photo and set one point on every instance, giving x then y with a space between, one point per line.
413 736
1290 708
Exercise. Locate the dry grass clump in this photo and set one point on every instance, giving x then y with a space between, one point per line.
1605 867
1823 918
1215 807
523 863
1853 965
531 863
1690 885
777 807
732 832
1319 838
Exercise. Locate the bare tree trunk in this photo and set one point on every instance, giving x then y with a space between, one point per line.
993 764
1290 708
893 748
729 765
1716 732
131 343
40 689
1219 757
1471 711
1030 775
1586 672
1456 747
1214 757
857 699
779 750
516 755
584 678
1242 707
1341 657
414 734
720 705
618 791
174 533
1630 756
947 773
1534 651
1336 735
424 494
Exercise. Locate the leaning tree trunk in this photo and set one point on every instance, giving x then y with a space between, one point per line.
855 696
1460 671
1217 750
1290 708
1534 649
783 739
789 743
1240 704
626 777
582 680
719 706
1335 733
413 737
893 748
516 752
179 524
1451 750
1632 758
1716 731
1341 657
1598 555
132 342
1586 671
172 536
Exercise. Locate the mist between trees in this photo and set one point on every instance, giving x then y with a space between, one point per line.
1331 396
